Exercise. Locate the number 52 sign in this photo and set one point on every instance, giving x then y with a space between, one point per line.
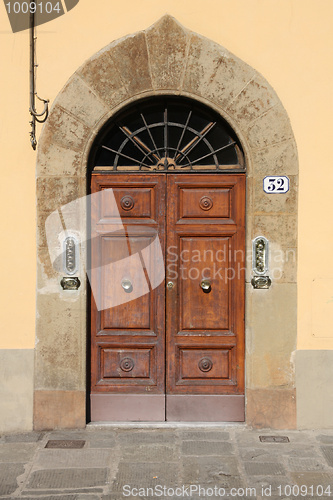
277 184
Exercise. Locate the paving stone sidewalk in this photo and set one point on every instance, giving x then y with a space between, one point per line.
183 462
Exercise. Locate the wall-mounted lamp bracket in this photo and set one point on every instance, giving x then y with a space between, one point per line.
36 117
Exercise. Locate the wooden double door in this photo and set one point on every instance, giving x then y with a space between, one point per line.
167 305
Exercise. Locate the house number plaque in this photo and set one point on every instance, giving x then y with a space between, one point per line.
276 184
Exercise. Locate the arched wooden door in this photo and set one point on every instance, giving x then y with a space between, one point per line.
167 270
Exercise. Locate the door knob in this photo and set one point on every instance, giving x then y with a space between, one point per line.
170 285
127 286
206 286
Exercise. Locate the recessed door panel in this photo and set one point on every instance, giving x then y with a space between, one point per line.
201 364
203 263
125 290
205 202
127 202
120 363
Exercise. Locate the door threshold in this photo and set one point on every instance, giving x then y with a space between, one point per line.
164 425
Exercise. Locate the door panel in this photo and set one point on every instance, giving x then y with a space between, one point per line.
200 364
136 364
125 315
205 331
126 365
196 224
198 310
136 202
127 324
206 203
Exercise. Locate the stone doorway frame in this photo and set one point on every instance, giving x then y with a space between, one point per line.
167 59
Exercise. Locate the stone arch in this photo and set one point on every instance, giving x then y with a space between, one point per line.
166 59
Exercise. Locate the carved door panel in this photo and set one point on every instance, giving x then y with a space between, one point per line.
205 305
128 301
190 226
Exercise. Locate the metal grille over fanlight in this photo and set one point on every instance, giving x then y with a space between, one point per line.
168 133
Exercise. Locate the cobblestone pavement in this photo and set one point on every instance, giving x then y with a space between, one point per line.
179 462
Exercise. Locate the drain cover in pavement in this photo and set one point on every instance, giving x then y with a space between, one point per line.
274 439
65 444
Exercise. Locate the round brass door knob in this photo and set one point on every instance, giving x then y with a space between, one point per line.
206 286
127 286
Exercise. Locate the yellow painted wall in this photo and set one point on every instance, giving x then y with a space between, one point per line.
289 41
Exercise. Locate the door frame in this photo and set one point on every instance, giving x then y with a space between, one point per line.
253 110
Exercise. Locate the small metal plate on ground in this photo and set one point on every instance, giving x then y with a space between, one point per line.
65 444
274 439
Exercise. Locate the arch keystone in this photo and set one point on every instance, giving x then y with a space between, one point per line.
167 42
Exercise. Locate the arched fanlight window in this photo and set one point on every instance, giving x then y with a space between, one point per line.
165 134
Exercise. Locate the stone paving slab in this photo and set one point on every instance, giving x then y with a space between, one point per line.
100 435
263 469
145 474
313 479
328 454
67 478
206 448
247 437
204 435
203 468
271 482
306 464
257 455
26 437
75 434
145 437
8 477
325 438
109 442
300 451
226 482
60 459
17 452
275 451
150 453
